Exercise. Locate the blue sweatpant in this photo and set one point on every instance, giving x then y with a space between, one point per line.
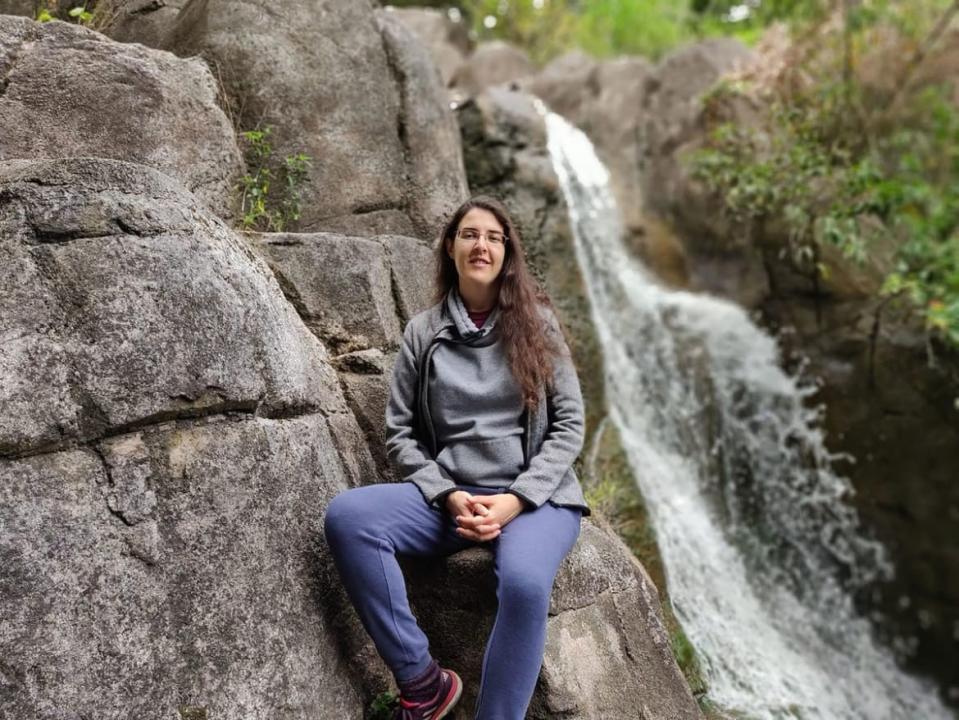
366 527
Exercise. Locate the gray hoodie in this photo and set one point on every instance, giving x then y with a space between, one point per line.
552 435
475 403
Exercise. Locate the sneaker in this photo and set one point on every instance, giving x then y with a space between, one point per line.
439 706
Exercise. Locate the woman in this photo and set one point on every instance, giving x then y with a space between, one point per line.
484 421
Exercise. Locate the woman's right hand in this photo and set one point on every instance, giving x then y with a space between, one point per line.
471 527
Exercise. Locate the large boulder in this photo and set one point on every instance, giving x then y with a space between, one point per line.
169 434
126 102
492 63
26 8
718 258
361 124
355 294
607 651
446 37
141 21
126 303
436 178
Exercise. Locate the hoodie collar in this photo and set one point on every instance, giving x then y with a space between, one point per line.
461 319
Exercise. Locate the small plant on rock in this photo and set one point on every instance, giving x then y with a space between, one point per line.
271 191
382 706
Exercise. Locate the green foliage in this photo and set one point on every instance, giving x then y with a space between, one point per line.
642 27
271 190
835 174
78 14
382 706
602 27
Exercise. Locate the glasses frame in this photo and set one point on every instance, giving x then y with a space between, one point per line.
482 235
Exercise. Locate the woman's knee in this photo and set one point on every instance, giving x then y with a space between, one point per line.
524 590
343 514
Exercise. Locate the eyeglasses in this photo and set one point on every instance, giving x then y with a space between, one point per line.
471 235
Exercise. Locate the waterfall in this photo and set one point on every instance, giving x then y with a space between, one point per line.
762 550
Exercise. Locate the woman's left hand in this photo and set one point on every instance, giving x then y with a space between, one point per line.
496 509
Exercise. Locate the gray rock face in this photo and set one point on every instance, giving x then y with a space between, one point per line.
721 259
413 264
355 294
340 286
492 63
435 174
127 303
359 124
142 21
364 377
169 434
26 8
447 40
71 92
607 650
172 568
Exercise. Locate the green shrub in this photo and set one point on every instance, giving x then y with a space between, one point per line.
271 191
831 181
382 706
78 14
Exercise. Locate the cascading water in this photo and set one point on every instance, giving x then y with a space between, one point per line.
761 550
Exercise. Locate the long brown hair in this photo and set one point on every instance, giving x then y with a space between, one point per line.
529 349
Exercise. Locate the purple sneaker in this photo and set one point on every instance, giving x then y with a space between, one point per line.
438 706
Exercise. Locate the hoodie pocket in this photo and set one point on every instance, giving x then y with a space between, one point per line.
499 459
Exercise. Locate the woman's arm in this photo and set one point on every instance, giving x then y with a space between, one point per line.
564 433
409 456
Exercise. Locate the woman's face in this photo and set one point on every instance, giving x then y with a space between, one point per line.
476 258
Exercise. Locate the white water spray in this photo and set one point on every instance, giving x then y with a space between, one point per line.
762 552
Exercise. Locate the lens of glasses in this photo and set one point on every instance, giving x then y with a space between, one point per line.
471 235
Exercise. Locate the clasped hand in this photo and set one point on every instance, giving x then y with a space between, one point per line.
482 517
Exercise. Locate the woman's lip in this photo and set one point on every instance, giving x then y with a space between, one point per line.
479 260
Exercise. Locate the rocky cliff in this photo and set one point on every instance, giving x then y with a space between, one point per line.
181 399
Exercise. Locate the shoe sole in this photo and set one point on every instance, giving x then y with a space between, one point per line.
451 702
